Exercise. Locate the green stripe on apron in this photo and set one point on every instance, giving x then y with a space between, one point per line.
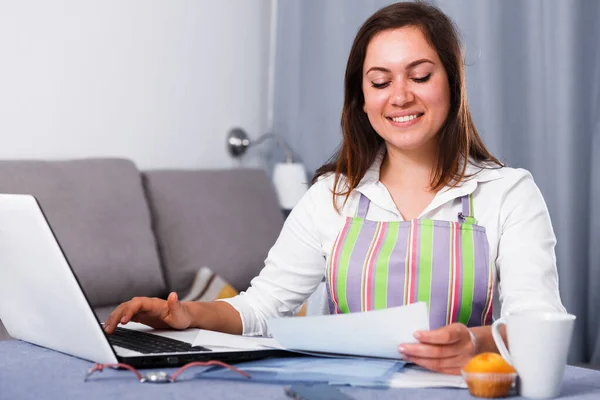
344 263
468 270
381 268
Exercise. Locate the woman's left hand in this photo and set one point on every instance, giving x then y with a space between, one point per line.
445 350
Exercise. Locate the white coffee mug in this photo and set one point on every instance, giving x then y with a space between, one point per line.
539 343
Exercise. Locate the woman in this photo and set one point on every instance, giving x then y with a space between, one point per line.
412 208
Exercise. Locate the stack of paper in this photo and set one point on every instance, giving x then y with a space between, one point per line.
339 371
332 371
218 340
416 377
358 349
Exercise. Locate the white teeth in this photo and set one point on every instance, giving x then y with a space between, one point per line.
406 118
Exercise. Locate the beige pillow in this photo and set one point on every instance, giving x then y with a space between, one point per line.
208 286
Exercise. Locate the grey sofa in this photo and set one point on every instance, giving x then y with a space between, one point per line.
145 233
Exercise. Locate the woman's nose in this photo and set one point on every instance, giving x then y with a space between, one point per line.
402 94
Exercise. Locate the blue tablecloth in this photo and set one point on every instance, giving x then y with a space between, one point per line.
31 372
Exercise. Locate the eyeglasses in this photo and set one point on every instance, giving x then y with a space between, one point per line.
161 376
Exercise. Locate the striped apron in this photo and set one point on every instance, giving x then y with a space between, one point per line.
376 264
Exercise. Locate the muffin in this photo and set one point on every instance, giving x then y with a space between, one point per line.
489 375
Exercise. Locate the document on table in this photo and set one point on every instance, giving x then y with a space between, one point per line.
375 334
312 370
367 334
374 373
416 377
213 339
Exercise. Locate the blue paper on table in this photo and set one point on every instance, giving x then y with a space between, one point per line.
333 371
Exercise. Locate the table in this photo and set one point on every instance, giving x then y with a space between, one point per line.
32 372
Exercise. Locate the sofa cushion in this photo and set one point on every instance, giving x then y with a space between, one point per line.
226 220
100 216
103 312
209 286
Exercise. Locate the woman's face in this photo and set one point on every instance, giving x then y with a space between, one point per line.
406 89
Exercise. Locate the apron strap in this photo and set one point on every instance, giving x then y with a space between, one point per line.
363 206
467 214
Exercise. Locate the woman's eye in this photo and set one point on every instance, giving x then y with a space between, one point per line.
423 79
379 85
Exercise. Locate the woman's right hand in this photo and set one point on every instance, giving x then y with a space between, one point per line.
154 312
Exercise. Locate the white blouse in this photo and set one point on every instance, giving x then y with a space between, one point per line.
506 202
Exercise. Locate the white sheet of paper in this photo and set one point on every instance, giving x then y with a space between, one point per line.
416 377
369 334
217 339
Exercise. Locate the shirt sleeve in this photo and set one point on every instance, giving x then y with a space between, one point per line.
526 261
294 267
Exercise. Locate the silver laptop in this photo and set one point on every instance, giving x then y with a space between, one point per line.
42 302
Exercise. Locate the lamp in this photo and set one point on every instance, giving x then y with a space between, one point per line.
289 178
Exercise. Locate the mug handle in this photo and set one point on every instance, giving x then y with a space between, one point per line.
499 341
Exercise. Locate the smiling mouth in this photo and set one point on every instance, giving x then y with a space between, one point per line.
405 118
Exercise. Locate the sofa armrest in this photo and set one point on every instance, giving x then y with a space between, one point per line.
99 214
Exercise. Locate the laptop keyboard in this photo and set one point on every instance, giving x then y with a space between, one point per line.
148 343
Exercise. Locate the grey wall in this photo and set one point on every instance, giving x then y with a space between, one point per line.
160 82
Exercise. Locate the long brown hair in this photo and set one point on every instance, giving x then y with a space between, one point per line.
458 138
